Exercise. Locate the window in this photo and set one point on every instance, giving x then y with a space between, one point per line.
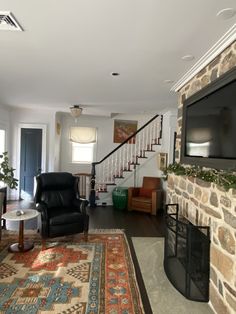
82 153
2 141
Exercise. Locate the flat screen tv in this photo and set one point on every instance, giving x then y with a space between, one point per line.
209 125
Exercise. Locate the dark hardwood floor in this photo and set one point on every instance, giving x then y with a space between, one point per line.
134 224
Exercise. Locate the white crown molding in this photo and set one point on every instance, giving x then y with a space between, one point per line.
221 44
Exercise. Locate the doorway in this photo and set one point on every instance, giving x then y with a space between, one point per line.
32 159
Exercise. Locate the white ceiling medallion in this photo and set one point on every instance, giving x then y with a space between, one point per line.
8 22
226 14
187 58
228 38
168 81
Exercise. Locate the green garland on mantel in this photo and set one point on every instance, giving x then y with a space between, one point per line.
226 179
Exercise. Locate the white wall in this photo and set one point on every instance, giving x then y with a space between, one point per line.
58 147
5 124
57 142
105 143
150 166
167 146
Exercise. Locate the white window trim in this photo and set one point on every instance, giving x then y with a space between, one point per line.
4 150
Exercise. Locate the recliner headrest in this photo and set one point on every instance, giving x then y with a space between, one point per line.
56 180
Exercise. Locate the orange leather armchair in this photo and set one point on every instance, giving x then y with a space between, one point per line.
147 198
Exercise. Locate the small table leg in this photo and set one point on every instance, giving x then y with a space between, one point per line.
21 246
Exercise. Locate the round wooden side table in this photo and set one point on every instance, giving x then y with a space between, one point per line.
21 246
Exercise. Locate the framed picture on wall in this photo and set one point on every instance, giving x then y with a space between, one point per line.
162 161
123 129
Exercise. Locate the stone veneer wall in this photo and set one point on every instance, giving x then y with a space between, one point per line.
207 204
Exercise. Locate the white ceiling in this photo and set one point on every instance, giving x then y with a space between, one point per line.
68 50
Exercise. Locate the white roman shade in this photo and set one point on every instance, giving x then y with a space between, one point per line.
83 135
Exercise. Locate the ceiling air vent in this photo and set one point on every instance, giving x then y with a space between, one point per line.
8 22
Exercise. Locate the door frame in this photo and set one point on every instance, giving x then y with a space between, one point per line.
43 127
4 127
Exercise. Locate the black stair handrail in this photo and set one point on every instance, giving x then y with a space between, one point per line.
92 197
127 140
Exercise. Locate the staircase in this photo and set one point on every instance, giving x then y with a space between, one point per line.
125 158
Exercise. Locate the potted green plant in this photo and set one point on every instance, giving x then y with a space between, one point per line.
7 172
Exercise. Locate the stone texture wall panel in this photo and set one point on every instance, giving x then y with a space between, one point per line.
190 188
213 275
191 179
194 201
229 218
215 240
205 197
231 302
202 183
224 200
218 302
220 287
216 206
183 184
226 240
222 262
197 193
233 193
211 212
214 199
185 195
214 75
214 63
205 80
230 289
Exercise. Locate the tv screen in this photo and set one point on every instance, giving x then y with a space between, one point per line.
209 125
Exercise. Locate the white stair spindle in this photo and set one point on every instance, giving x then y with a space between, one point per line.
150 136
112 167
153 132
123 157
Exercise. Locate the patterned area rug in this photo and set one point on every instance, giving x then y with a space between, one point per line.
70 276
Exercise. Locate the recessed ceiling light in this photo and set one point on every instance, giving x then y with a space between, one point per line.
187 57
168 81
226 14
115 73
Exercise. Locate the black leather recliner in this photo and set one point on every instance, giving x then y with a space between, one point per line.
57 200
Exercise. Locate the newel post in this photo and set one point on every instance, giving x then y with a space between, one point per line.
92 197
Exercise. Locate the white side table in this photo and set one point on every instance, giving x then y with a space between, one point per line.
21 246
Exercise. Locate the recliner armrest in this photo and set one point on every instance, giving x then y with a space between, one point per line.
41 207
81 204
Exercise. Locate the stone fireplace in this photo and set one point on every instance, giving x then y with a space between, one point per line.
207 204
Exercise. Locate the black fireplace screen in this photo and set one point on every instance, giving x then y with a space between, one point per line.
186 256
